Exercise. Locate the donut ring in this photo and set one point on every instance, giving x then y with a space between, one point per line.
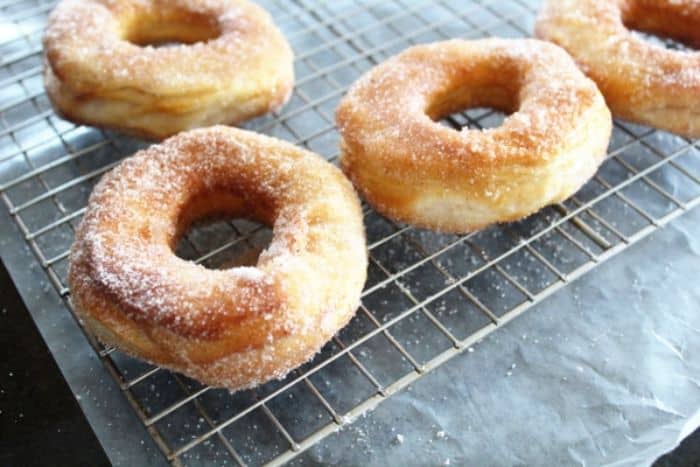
232 64
414 170
641 82
236 327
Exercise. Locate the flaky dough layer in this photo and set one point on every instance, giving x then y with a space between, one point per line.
233 64
235 327
414 170
642 82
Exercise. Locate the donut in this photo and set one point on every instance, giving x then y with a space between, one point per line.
412 169
235 327
642 82
102 66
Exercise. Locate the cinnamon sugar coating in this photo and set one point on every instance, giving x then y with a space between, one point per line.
642 82
236 327
412 169
231 64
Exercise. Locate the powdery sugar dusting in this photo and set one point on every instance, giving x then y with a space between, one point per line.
84 38
123 256
402 86
152 187
415 170
642 81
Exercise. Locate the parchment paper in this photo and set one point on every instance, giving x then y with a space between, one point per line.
605 372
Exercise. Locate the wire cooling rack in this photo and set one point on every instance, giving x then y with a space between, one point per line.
428 296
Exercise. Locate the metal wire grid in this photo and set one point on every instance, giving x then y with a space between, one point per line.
428 297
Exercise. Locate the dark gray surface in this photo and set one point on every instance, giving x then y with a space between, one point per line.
685 454
40 421
604 372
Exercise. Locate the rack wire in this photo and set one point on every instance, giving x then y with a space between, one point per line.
428 296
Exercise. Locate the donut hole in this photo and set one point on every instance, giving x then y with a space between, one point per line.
225 242
474 118
170 27
474 108
220 231
663 24
661 41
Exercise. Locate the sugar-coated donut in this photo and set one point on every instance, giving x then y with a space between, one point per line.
642 82
101 68
414 170
236 327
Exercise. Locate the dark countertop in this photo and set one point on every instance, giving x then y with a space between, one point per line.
41 422
686 454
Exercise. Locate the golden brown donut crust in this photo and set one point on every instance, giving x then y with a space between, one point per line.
414 170
233 64
642 82
236 327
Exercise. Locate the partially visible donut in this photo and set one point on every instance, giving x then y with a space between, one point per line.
641 82
412 169
232 64
236 327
